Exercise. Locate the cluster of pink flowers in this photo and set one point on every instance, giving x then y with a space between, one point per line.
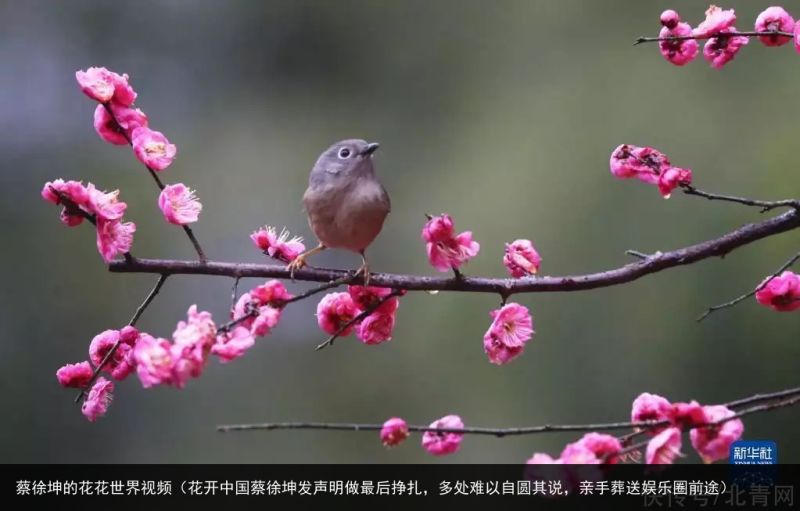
679 46
256 312
118 122
781 293
438 443
710 434
521 258
113 235
447 250
337 310
159 361
650 166
511 329
278 246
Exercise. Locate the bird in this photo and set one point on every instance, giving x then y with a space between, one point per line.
345 202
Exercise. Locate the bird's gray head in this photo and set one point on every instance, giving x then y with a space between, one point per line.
344 159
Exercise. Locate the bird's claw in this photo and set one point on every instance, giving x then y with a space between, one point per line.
297 263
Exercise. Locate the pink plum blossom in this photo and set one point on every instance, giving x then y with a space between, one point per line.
717 20
781 293
521 258
540 458
72 190
98 400
676 51
643 163
192 342
672 178
686 415
116 129
152 148
279 246
511 328
394 431
663 448
114 237
604 447
105 205
120 365
713 442
578 454
264 305
234 344
267 319
334 311
75 375
368 297
154 361
446 250
438 443
774 19
376 328
103 85
179 204
721 49
651 407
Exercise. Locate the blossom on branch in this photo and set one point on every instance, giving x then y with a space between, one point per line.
334 311
278 246
179 204
511 329
781 293
446 250
394 431
152 148
651 407
774 19
664 447
75 375
717 20
713 442
650 166
676 51
521 258
99 399
117 129
722 48
439 443
103 85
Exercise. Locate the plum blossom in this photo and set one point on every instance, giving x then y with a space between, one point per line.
114 237
540 458
672 178
521 258
604 447
797 36
117 128
376 328
446 250
511 328
722 48
105 205
651 407
663 448
154 361
75 375
366 297
781 293
279 246
103 85
98 400
192 342
438 443
774 19
179 204
334 311
713 442
394 431
676 51
717 20
233 344
152 148
121 363
687 415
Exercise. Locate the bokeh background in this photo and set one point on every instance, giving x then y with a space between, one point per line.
501 113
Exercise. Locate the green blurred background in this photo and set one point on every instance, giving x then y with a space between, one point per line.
502 113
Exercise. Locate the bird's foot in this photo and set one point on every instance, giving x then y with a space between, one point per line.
296 263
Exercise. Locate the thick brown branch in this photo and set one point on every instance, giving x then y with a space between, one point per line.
654 263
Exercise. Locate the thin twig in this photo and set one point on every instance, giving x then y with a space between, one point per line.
641 40
764 205
189 233
791 397
136 315
235 291
363 314
745 296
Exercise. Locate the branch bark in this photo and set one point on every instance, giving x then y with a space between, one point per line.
653 263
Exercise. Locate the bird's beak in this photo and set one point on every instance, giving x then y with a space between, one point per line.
371 148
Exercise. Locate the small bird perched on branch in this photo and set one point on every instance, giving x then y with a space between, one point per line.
345 202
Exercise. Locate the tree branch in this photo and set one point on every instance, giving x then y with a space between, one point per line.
136 315
745 296
780 399
764 205
189 233
641 40
653 263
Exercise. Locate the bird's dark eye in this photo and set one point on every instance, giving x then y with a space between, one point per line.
344 153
